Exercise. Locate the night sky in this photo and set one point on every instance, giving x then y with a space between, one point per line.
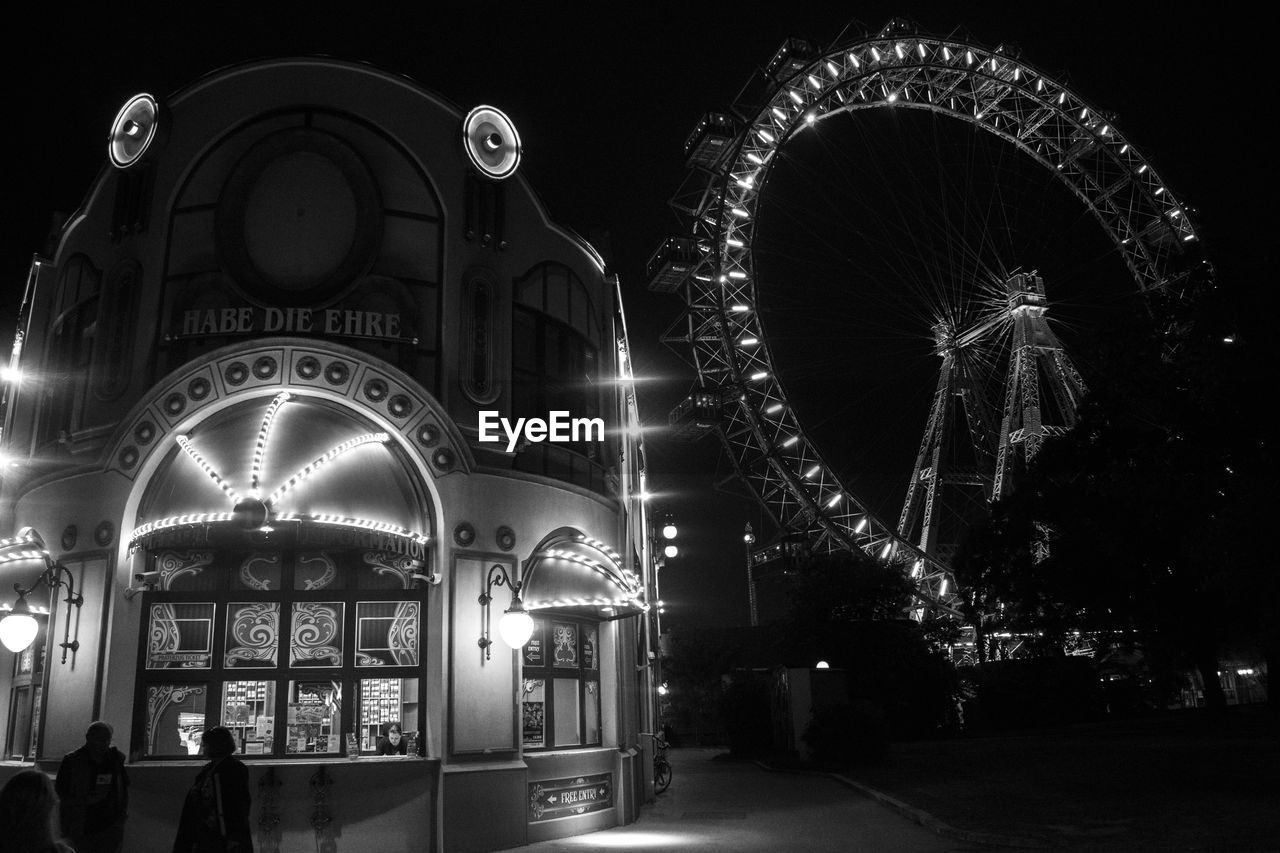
603 99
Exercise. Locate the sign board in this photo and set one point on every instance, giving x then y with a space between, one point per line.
576 795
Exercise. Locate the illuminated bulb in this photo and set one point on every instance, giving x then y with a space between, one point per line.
794 96
737 211
670 551
822 665
835 500
754 158
810 118
739 308
774 409
669 531
18 628
515 626
737 274
760 375
748 342
813 81
812 471
765 135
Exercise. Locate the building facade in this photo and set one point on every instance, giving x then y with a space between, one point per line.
262 414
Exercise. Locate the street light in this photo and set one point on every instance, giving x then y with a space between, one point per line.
516 625
749 537
18 629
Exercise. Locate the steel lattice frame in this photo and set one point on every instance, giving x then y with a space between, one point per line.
896 68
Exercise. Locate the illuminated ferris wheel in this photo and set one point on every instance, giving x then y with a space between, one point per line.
901 218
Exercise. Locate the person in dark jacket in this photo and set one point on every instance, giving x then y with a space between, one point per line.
215 816
394 743
27 804
93 792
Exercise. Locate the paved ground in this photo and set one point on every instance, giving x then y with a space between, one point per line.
718 805
1158 784
1174 782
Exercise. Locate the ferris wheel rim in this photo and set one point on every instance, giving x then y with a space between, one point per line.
902 64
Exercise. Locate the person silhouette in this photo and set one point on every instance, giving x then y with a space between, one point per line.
27 805
93 792
215 815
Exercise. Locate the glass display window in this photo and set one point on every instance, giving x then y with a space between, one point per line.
560 701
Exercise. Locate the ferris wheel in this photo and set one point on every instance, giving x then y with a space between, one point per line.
911 210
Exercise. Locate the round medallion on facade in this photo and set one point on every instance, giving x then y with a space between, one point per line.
428 435
175 403
308 367
443 458
236 373
300 219
375 390
464 534
336 373
265 367
399 406
69 536
128 457
104 533
144 432
506 538
199 388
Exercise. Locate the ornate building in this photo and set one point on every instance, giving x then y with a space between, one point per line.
259 427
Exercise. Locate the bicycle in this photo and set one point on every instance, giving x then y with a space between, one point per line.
661 767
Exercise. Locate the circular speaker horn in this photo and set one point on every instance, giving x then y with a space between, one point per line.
492 144
133 130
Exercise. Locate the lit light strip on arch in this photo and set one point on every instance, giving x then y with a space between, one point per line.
261 444
616 576
185 443
320 461
264 433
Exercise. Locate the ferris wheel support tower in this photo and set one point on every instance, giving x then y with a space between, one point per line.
951 474
1037 362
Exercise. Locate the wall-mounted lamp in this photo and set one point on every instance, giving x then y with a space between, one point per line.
19 627
516 625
